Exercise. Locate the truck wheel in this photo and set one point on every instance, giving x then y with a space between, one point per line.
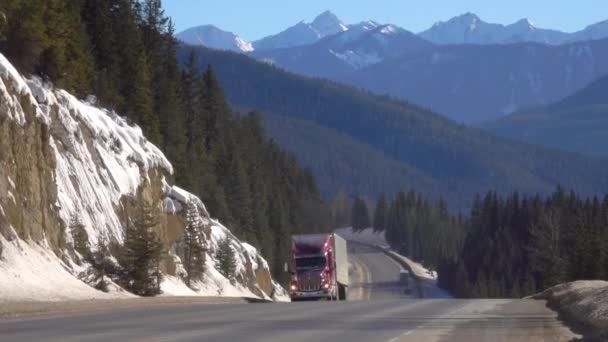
342 292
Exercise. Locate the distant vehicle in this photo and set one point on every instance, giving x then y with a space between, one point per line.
318 267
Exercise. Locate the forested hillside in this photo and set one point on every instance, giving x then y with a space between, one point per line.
462 161
124 52
506 246
577 123
518 245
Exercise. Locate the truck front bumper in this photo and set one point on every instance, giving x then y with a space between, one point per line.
310 294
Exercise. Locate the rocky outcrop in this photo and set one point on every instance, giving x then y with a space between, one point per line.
62 157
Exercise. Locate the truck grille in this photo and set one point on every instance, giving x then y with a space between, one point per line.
310 283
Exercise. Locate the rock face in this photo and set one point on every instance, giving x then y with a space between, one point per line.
61 157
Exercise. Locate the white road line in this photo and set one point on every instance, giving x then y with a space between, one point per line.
394 339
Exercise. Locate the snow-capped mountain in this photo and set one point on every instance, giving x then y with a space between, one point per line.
213 37
362 45
470 29
303 33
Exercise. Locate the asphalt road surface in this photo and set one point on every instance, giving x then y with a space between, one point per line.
381 280
386 317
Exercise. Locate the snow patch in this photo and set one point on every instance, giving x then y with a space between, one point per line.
585 301
32 272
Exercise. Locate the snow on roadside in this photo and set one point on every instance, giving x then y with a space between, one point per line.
30 272
585 301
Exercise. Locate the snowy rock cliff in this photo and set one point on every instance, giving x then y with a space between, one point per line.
61 157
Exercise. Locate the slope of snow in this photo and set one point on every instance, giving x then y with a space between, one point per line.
32 272
213 37
303 33
470 29
100 159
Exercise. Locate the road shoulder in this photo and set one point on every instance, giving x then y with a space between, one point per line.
34 309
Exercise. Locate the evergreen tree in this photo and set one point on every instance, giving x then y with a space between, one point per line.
380 216
360 214
226 260
102 266
341 210
216 108
80 236
141 254
194 244
545 250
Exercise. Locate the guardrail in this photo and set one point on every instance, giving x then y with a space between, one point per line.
404 262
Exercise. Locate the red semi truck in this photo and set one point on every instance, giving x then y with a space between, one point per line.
318 267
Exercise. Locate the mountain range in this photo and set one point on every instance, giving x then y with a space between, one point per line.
445 68
470 29
467 28
339 131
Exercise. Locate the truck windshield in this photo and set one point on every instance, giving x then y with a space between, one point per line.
310 263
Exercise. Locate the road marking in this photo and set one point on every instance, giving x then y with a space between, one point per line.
394 339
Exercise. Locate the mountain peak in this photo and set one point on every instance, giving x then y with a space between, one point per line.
469 16
328 23
526 23
215 38
325 17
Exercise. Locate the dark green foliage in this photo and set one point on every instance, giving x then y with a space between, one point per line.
518 246
226 260
141 254
48 38
423 230
341 210
194 244
80 237
381 214
102 266
360 214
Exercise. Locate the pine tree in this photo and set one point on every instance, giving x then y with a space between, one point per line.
545 249
216 108
380 216
360 214
194 244
102 266
141 254
341 210
24 32
80 237
226 260
67 58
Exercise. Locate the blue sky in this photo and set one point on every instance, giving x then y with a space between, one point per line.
253 19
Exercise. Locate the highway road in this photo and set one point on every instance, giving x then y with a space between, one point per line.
387 317
380 278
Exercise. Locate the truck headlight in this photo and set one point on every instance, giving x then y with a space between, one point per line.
293 287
